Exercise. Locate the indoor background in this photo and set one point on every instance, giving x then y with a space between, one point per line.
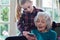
8 11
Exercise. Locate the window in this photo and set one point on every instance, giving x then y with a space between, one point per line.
52 7
4 18
34 2
7 18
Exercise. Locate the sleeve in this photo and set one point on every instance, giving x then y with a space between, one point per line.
41 10
54 36
37 34
20 23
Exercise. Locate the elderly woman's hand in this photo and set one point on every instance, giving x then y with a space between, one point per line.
29 36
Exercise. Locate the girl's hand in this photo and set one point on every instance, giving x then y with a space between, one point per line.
29 36
25 33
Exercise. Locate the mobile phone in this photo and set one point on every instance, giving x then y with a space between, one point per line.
31 35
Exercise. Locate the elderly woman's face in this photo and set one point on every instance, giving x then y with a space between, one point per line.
41 23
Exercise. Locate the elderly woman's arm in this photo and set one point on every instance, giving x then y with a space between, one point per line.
53 36
37 34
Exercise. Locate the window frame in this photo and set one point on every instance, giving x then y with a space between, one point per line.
11 23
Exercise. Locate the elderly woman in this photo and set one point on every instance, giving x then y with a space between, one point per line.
43 23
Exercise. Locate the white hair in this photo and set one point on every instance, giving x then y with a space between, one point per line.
47 18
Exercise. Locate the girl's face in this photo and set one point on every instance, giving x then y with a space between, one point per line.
41 23
27 7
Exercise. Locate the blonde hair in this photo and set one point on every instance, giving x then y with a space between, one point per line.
24 1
